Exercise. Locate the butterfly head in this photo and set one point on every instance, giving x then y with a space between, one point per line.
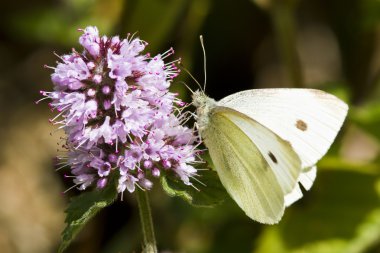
204 105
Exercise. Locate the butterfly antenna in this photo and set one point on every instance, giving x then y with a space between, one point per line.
204 62
192 92
192 77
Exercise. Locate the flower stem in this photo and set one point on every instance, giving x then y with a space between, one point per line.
284 26
146 222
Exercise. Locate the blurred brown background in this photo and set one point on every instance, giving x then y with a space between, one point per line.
327 44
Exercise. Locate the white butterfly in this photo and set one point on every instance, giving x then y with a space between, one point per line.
264 142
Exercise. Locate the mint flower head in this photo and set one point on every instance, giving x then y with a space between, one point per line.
114 105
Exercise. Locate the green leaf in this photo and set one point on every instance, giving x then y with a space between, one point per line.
207 193
82 208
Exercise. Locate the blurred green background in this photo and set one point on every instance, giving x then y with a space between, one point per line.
332 45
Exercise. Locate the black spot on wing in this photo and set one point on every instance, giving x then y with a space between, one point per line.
301 125
272 157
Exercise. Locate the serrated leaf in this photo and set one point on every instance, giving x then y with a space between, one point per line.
82 208
208 193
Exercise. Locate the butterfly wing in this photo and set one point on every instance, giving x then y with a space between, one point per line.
309 119
306 178
255 166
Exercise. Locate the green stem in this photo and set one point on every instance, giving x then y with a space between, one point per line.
146 222
282 13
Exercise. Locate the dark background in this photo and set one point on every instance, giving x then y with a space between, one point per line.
331 45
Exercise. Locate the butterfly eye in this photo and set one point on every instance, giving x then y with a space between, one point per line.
272 157
301 125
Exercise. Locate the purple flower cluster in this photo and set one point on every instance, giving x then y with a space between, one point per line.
118 114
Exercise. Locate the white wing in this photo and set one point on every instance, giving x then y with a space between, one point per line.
293 196
309 119
306 178
255 166
278 153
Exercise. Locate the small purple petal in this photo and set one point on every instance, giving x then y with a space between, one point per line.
145 183
148 164
156 172
97 79
102 182
167 164
106 90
